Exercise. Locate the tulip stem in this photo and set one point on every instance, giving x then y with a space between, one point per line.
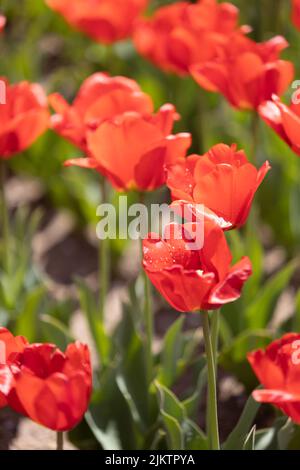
4 213
215 335
59 440
104 261
210 339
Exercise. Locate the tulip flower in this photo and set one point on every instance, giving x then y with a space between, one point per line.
245 72
183 34
296 13
39 381
194 278
2 22
103 20
24 117
223 180
284 120
100 97
10 349
278 370
132 150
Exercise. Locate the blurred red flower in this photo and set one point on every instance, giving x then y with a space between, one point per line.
194 279
223 180
50 387
278 370
296 13
183 34
103 20
100 97
2 22
133 149
285 120
24 117
245 72
10 348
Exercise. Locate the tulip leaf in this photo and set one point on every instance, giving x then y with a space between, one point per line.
174 432
182 432
26 323
296 319
132 371
111 413
234 357
249 443
195 439
89 307
285 434
109 439
171 353
173 415
264 438
238 437
191 403
259 312
54 331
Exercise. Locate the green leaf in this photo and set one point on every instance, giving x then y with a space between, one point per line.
259 312
296 319
89 308
26 323
285 434
111 415
191 404
264 438
234 357
171 353
54 331
236 440
169 403
195 439
133 367
249 443
174 433
109 439
173 415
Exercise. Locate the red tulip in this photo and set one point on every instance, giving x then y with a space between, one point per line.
183 34
2 22
132 150
23 118
194 279
100 97
222 180
296 13
105 21
10 349
245 72
39 381
285 120
278 370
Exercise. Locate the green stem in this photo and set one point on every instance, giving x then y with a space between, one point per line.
4 213
59 440
213 426
215 320
104 262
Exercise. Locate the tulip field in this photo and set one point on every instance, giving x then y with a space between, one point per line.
149 226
